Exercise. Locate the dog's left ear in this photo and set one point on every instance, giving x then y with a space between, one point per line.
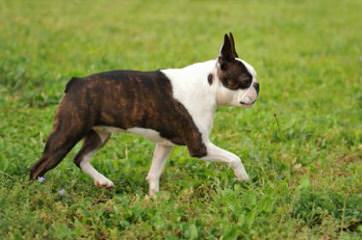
226 52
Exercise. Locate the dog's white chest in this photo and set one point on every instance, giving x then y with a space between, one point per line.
191 88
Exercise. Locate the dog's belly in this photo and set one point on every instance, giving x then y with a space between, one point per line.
150 134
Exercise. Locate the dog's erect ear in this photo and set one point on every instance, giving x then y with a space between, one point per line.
233 44
226 52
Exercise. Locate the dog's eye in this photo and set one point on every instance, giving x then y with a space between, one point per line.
245 82
233 85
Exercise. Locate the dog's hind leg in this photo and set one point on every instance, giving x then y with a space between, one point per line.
93 141
59 143
70 126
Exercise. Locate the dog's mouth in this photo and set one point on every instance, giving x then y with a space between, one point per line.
247 104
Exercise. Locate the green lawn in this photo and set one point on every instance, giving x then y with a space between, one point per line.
301 143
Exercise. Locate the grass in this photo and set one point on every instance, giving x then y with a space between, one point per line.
301 143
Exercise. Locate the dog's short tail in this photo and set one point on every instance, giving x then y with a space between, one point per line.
70 83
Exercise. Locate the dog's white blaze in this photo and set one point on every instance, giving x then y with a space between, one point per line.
250 68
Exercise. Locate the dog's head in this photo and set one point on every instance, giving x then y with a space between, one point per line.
237 84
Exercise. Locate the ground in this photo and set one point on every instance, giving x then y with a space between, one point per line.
301 142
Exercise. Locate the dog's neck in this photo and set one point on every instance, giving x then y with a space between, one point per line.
199 79
193 89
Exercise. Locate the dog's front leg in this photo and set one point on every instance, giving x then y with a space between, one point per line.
215 153
158 163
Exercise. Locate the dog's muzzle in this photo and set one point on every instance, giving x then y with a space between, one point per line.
249 98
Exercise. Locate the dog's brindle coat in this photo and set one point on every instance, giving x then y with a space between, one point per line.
121 99
132 99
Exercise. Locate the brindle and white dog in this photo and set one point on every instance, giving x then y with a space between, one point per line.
170 107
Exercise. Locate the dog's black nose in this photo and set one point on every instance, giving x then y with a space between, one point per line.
256 86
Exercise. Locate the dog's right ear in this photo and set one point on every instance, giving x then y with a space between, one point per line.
226 52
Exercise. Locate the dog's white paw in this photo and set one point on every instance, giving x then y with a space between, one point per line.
104 183
152 193
241 176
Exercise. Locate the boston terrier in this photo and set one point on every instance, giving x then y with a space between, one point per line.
169 106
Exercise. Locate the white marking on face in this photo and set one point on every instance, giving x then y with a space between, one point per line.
250 95
250 68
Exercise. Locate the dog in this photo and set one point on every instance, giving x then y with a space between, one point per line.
169 106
